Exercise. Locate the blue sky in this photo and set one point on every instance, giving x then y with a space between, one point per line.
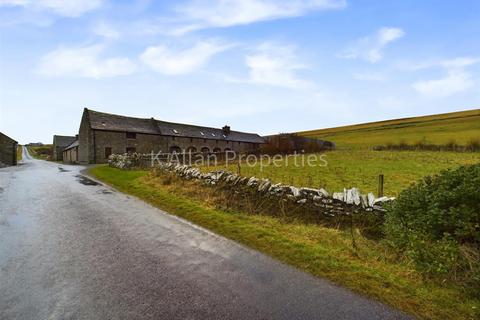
263 66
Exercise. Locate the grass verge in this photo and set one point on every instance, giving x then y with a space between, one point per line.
41 152
19 152
321 251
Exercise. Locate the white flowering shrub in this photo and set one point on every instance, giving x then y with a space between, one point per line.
124 161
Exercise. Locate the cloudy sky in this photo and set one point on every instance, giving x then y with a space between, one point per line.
264 66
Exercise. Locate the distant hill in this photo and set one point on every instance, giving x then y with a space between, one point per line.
459 127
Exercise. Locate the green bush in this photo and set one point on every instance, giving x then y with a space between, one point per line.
436 223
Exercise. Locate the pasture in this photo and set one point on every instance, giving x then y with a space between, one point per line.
356 164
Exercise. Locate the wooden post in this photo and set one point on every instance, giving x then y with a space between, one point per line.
239 171
380 185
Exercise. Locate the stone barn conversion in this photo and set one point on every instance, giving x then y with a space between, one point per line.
70 153
102 134
8 151
59 144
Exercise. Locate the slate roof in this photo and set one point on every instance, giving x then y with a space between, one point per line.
8 138
72 145
113 122
63 141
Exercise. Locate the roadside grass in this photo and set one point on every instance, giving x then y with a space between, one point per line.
357 168
41 152
371 269
457 127
19 152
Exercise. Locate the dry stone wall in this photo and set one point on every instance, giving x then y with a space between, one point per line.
337 204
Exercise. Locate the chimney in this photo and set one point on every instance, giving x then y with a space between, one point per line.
226 130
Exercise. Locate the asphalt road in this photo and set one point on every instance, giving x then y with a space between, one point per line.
71 248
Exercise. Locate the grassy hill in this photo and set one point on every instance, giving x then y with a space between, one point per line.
356 164
458 127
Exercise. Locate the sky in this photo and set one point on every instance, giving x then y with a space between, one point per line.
264 66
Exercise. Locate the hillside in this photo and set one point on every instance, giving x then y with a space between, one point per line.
459 127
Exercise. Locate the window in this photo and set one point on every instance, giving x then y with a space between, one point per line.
131 150
202 133
173 138
191 150
217 150
131 135
191 139
205 150
174 130
108 152
204 140
175 149
213 134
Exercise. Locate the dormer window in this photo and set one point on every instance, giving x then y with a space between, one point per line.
131 135
103 123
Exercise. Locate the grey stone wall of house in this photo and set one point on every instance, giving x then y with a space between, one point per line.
8 150
118 143
59 144
70 155
103 134
85 141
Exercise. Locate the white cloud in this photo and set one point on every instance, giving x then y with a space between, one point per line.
105 30
83 62
369 76
68 8
454 82
371 48
174 62
457 79
275 65
201 14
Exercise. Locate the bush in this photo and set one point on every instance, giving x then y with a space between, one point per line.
436 223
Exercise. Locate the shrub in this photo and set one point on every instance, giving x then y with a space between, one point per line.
436 222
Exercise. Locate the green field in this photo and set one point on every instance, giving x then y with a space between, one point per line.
459 127
359 168
356 164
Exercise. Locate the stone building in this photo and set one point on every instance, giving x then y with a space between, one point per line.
8 151
70 153
59 144
102 134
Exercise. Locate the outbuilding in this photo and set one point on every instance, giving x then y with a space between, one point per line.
70 153
8 151
59 144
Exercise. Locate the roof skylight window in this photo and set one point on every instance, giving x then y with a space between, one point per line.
174 130
202 133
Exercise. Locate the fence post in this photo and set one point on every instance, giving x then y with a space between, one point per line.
239 171
380 185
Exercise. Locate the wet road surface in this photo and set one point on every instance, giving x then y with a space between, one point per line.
71 248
